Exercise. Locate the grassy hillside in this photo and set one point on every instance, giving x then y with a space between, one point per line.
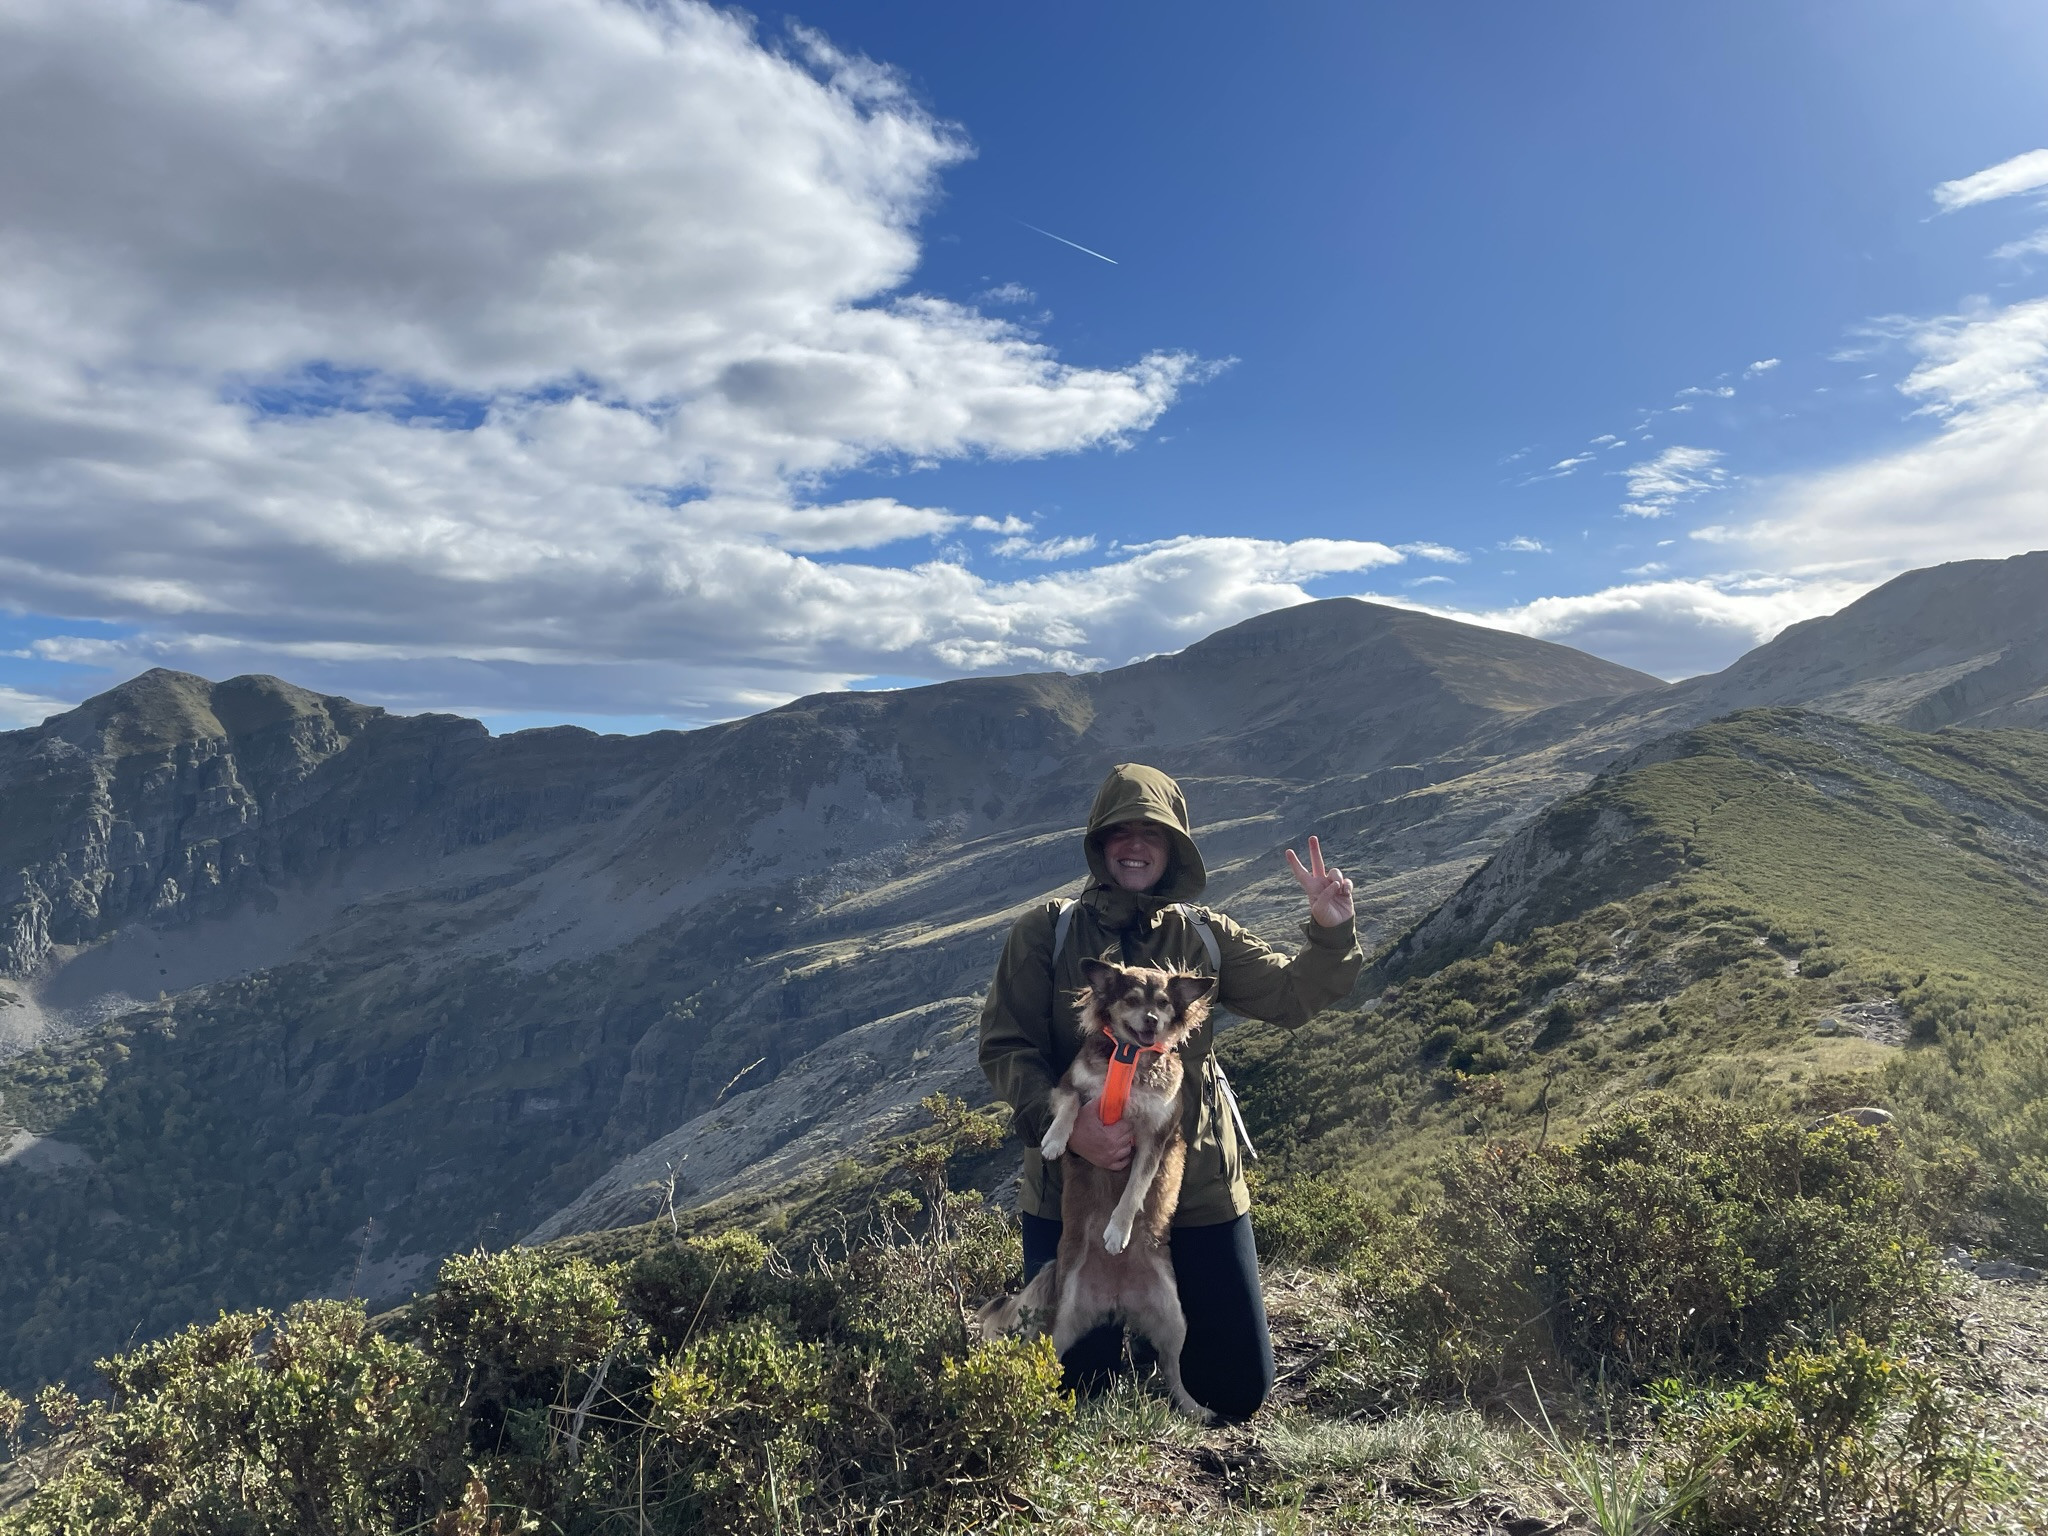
1777 909
1923 849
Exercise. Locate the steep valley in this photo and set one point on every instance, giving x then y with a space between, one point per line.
415 988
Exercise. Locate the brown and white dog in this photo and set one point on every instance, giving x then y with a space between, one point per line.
1113 1259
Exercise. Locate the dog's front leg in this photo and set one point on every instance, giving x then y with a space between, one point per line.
1144 1169
1066 1104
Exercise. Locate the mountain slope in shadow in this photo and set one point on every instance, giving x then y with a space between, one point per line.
344 990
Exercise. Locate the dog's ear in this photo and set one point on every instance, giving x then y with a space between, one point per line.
1105 981
1185 990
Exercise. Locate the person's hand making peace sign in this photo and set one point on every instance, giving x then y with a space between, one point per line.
1329 893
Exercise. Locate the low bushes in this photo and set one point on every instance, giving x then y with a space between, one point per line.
1673 1236
1752 1286
703 1385
1974 1102
1842 1438
249 1425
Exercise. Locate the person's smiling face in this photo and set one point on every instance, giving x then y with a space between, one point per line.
1137 854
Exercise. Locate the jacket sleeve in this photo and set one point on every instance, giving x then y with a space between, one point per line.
1260 983
1017 1024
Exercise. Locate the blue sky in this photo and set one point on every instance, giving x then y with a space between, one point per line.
734 372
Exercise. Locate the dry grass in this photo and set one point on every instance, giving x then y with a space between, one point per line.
2004 1356
1139 1469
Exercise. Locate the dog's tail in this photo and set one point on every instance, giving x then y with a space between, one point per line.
1028 1313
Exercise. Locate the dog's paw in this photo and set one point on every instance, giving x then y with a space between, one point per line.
1116 1237
1053 1147
995 1319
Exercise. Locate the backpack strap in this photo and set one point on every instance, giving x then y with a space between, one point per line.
1062 925
1205 933
1229 1096
1224 1090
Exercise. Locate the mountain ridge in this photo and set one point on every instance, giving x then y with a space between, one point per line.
450 979
1920 638
446 986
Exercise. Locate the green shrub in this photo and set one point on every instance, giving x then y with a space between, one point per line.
1974 1105
682 1288
519 1321
1552 969
1488 1055
1439 1042
701 1385
255 1424
1312 1221
753 1429
1457 1014
1670 1236
1847 1440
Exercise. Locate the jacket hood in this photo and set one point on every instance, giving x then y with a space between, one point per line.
1133 792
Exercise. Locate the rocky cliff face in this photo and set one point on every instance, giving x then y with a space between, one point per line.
153 802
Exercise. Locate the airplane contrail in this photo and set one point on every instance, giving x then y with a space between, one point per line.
1063 240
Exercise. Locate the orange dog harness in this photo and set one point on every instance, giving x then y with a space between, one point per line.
1123 1067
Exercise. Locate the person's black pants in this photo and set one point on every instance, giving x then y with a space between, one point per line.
1227 1362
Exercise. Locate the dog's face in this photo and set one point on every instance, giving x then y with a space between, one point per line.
1144 1007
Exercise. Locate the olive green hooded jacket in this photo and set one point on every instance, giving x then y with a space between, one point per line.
1030 1029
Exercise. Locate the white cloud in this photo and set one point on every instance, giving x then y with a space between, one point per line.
18 709
1762 366
1521 543
2035 244
1428 581
501 356
1006 293
1019 548
857 621
1716 391
1677 628
503 352
2008 178
1670 628
1971 489
1677 474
